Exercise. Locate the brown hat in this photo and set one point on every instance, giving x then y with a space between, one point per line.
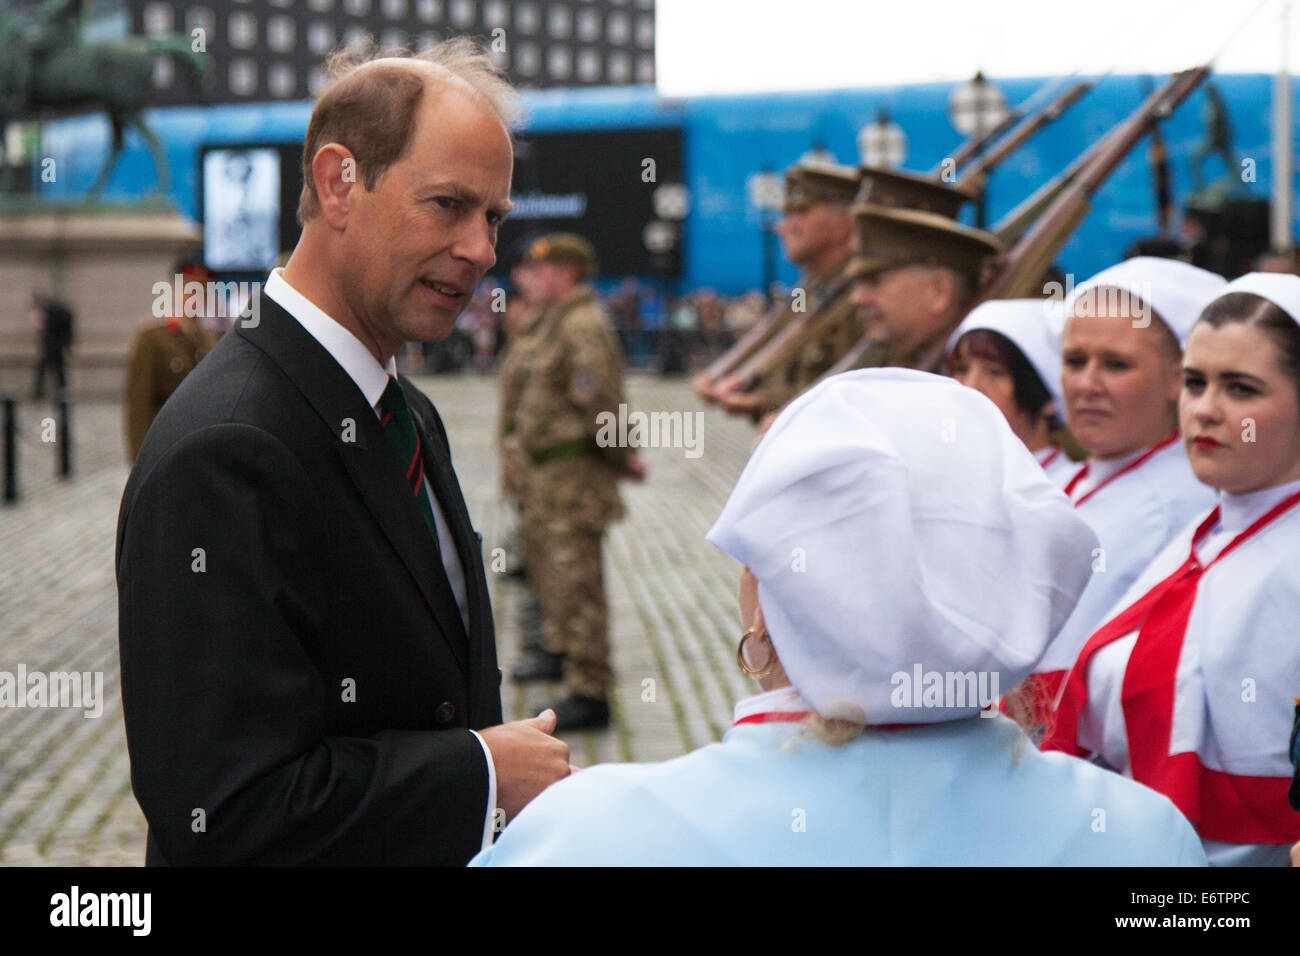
812 181
897 188
891 237
564 247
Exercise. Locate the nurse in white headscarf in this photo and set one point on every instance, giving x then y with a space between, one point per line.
1006 349
906 558
1121 374
1190 685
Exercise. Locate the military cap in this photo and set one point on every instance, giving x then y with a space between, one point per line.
900 189
564 247
812 181
191 266
889 237
517 253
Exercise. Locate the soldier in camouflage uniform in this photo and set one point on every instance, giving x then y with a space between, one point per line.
521 320
575 373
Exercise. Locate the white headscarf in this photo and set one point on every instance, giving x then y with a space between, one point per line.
1281 289
897 526
1175 290
1029 324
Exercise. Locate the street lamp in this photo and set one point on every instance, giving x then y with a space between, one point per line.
882 143
974 109
766 191
817 154
671 203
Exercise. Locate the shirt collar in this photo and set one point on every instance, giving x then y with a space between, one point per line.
1101 469
346 349
779 701
1237 512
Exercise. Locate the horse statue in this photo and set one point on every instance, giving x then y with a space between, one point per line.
50 69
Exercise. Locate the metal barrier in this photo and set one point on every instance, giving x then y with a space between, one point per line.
10 447
63 437
9 434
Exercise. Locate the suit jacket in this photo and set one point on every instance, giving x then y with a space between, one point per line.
297 681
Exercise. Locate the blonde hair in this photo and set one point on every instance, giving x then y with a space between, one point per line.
372 111
832 731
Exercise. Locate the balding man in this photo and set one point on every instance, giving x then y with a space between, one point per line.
309 672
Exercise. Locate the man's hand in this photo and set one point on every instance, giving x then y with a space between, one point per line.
703 385
527 759
743 403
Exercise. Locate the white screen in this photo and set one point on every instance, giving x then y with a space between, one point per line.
241 208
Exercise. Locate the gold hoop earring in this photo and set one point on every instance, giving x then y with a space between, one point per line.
760 672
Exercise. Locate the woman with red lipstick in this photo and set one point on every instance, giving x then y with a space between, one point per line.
1189 685
1121 354
1005 350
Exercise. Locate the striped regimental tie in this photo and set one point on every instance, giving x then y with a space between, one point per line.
399 427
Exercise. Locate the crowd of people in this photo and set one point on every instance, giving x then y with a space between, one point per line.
1017 576
1146 631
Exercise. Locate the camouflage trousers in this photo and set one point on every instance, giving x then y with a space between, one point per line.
564 563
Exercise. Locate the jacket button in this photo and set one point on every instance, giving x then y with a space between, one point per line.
445 712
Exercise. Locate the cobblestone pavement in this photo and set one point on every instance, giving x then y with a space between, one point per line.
65 794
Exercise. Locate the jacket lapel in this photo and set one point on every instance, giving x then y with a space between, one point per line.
366 457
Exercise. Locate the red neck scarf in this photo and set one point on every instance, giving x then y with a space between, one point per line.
1223 806
1133 465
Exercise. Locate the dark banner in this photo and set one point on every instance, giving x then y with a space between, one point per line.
606 185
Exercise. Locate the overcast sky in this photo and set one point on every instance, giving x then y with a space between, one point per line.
734 46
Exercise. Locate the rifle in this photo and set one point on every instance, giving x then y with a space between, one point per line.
1067 200
979 171
795 335
812 326
975 145
850 359
760 332
1013 225
1019 269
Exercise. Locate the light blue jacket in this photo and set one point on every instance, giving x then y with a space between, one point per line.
969 792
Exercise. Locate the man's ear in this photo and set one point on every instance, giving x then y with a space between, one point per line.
334 170
942 290
844 231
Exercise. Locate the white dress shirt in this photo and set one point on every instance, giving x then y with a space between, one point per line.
372 378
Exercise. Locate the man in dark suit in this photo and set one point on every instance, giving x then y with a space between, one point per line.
54 319
309 671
